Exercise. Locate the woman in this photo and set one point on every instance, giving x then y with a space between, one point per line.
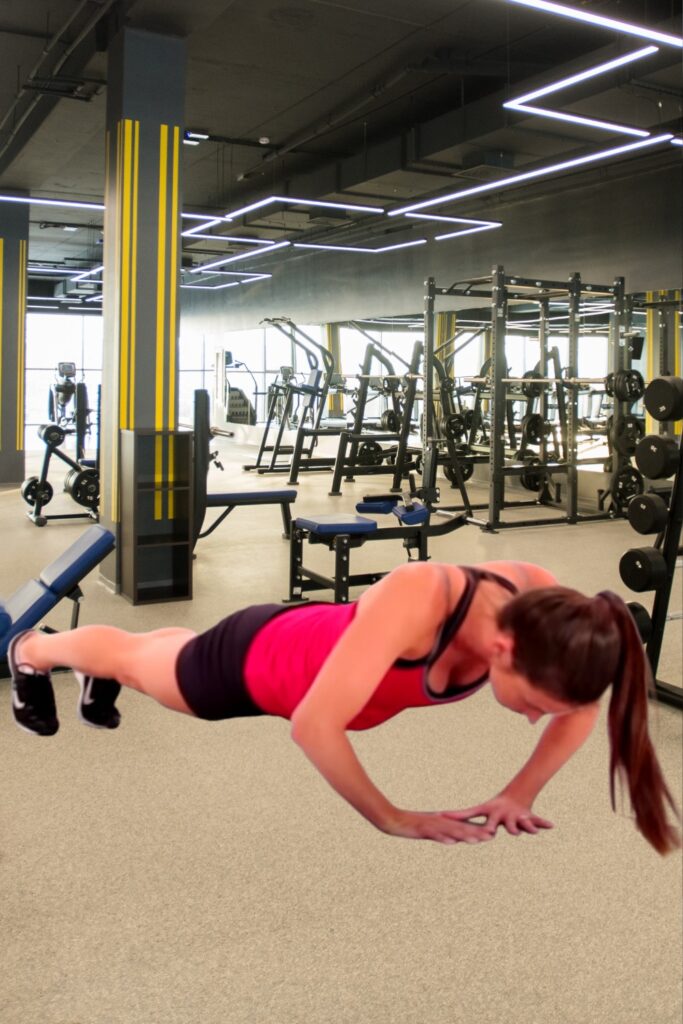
426 634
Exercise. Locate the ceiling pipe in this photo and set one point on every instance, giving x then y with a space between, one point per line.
442 61
330 121
102 8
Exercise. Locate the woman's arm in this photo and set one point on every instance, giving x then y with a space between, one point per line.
395 617
561 738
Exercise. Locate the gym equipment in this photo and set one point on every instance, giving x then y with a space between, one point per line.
28 605
625 432
313 395
60 394
361 453
625 484
653 568
625 385
642 619
340 533
664 398
657 456
643 569
532 478
82 483
551 392
203 458
648 513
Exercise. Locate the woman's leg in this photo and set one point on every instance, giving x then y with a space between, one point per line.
143 661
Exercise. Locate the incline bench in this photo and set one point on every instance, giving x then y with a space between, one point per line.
230 500
340 532
27 605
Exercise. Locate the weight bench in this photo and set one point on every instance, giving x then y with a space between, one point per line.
229 501
340 533
232 499
32 601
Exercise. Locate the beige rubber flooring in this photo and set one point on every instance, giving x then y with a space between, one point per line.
181 872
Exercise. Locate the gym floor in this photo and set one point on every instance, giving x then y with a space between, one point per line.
177 871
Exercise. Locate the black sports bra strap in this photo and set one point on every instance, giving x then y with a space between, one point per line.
473 577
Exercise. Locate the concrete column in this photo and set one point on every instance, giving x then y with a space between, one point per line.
144 126
13 258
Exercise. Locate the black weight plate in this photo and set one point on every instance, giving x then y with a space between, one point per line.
625 433
534 428
530 389
643 569
657 457
28 490
641 617
370 453
648 513
625 485
35 493
454 427
51 434
664 398
532 478
609 385
629 385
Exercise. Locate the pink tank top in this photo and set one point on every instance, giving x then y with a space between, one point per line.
287 653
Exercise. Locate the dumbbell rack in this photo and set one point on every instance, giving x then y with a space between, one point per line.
658 457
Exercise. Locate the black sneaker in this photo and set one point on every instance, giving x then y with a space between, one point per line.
96 704
33 699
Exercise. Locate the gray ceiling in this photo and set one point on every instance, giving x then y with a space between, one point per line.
382 100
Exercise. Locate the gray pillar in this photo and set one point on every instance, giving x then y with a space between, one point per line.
145 115
13 257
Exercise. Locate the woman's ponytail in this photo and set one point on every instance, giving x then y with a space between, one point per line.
632 756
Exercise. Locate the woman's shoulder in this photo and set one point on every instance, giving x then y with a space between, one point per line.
525 575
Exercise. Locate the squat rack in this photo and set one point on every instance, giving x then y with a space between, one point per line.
501 289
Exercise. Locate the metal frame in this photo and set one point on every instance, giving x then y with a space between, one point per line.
501 289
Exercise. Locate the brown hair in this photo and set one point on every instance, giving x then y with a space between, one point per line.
573 647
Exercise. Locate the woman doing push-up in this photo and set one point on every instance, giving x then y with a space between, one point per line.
426 634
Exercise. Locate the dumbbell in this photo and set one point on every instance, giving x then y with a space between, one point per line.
664 398
648 513
641 617
657 456
643 569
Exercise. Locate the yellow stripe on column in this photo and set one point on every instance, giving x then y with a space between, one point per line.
21 338
172 325
134 271
2 285
125 271
678 355
161 309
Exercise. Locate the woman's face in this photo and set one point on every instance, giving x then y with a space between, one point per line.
515 692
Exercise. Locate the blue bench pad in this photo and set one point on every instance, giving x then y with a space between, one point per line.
415 516
379 508
26 606
329 525
32 601
84 554
251 498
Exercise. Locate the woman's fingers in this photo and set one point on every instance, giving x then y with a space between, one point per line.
470 812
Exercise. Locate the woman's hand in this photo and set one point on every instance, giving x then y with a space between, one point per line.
439 826
517 817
